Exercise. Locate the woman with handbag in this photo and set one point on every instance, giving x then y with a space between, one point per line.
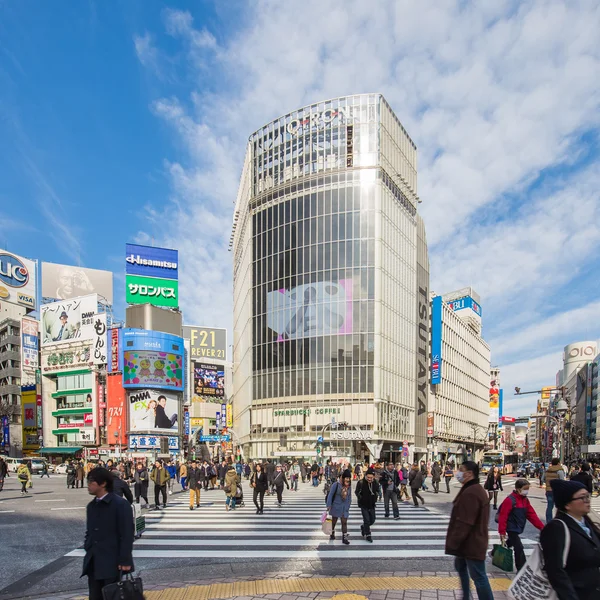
338 504
279 481
578 578
231 482
493 484
259 483
24 477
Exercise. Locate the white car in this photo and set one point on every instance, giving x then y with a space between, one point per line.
61 469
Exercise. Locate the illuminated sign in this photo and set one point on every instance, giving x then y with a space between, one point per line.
148 261
150 290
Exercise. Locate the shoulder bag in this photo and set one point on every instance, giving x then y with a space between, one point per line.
128 588
531 581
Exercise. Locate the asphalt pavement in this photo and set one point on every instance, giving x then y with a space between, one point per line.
42 536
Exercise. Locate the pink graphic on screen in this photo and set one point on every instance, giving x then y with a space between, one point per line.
309 310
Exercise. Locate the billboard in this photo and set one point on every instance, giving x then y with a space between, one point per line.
206 343
151 442
100 351
56 359
150 368
5 433
436 340
148 261
494 402
68 320
312 309
64 282
153 411
116 410
148 290
17 280
29 344
209 380
29 418
465 302
546 391
114 350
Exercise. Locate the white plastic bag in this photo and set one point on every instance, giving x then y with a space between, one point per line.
531 581
326 527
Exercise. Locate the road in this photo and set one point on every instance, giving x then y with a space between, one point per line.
42 536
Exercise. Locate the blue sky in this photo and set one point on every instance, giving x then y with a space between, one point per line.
125 121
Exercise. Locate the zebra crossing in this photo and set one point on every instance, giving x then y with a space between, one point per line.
290 532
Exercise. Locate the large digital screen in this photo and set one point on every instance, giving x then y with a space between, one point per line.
153 411
152 368
312 309
69 320
209 380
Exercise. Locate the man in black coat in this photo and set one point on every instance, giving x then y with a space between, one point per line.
108 536
367 492
390 482
584 477
579 579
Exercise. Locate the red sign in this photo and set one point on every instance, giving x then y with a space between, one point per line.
88 419
93 451
114 350
508 419
100 403
116 410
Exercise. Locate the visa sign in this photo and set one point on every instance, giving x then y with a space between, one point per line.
17 279
466 302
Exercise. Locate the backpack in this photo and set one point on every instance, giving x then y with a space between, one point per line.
514 503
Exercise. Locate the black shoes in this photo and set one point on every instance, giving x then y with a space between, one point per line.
191 508
362 530
397 518
369 539
345 539
332 536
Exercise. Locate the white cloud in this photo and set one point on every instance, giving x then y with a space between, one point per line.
492 93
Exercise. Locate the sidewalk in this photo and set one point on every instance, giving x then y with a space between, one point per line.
399 585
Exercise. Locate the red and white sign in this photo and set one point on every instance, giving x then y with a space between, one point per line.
116 410
100 403
72 425
508 419
114 350
88 419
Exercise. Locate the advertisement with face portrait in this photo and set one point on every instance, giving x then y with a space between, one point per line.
68 320
17 280
29 344
151 368
209 380
153 411
63 282
310 310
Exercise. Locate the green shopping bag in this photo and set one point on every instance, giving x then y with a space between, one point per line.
502 557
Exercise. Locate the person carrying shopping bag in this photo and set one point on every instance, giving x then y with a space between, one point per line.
24 477
338 504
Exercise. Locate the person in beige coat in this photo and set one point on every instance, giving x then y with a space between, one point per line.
231 482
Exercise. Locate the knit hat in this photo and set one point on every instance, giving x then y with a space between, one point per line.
347 473
370 471
564 490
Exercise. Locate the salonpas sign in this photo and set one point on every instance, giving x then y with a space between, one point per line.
152 290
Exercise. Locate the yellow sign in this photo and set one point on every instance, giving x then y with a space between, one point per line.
196 422
546 392
229 415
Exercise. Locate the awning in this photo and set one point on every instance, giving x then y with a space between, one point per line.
61 450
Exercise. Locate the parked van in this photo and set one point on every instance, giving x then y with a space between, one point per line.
12 463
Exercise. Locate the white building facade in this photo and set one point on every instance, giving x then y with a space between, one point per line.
331 287
459 401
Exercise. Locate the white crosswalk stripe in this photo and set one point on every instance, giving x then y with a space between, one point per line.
292 531
596 503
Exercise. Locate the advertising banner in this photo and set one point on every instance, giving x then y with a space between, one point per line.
153 411
494 402
436 340
546 391
148 261
463 303
430 424
114 350
147 290
17 280
69 320
206 342
64 282
29 344
151 368
5 434
100 354
150 442
55 360
312 309
87 435
223 416
116 410
30 439
229 416
209 380
101 391
186 422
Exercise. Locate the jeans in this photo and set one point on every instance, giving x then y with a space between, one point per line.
514 542
390 494
368 515
476 569
315 480
230 501
550 507
295 482
448 480
259 499
436 485
183 480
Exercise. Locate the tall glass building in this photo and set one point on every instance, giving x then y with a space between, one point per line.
331 287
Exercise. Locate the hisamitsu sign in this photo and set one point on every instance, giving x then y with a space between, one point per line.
149 261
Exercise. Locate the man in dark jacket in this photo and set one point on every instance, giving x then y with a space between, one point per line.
108 536
467 537
390 481
194 478
121 488
270 470
367 491
579 579
584 477
436 476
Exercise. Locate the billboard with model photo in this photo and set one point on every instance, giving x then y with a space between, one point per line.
68 320
209 380
153 411
63 282
312 309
